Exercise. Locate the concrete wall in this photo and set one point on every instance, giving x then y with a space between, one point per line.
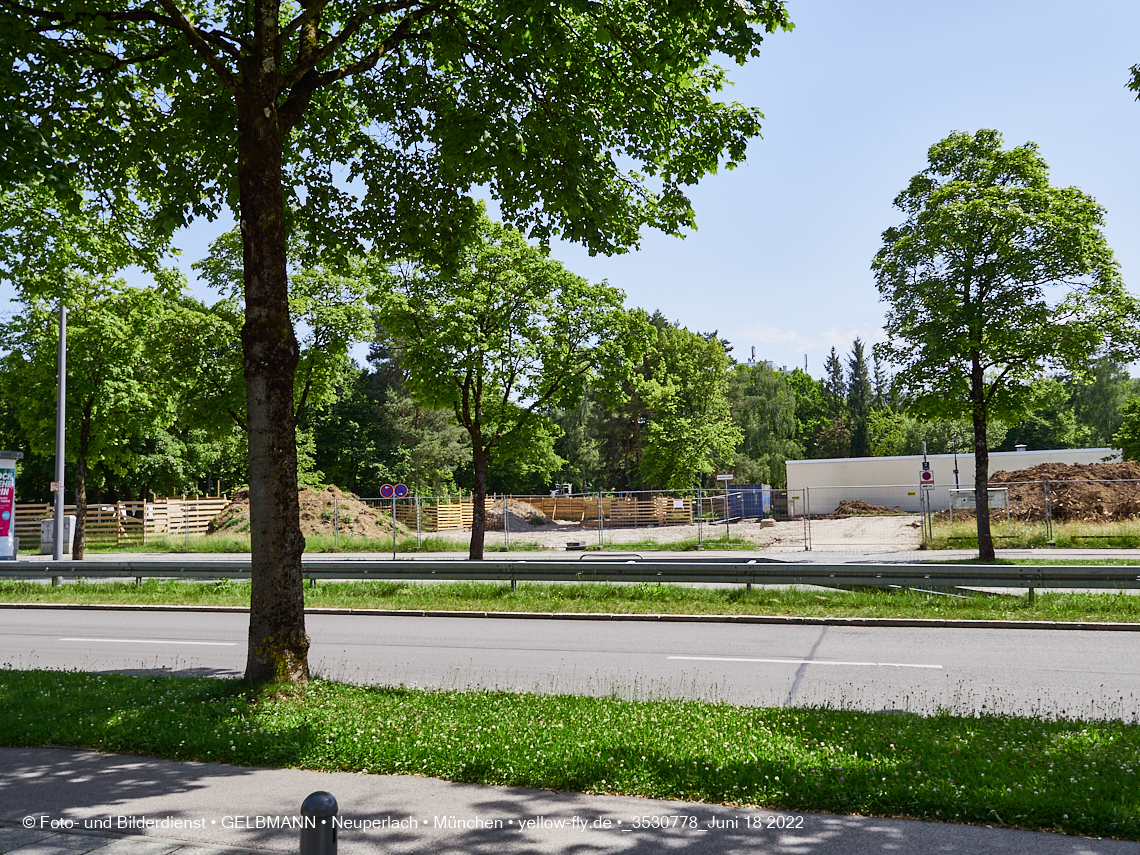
893 481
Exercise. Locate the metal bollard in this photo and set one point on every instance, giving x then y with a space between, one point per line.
318 832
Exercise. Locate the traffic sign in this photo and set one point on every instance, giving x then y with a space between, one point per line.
387 491
401 490
927 476
724 477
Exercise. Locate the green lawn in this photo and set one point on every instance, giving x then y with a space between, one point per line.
1071 776
600 597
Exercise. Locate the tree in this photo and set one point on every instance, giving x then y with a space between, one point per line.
835 384
859 399
689 425
812 409
120 388
1096 402
966 276
1127 437
1051 423
257 105
499 338
764 408
887 433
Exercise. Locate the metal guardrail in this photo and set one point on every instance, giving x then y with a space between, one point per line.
682 571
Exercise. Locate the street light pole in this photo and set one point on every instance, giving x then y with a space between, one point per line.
57 527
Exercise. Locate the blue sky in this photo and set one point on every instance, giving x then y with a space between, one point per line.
853 98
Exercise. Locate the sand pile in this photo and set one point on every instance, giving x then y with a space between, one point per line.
523 516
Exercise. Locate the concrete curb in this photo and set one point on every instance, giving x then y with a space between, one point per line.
778 620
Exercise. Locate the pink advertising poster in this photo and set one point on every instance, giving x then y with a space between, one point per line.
7 500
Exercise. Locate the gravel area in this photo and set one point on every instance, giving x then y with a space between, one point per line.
854 534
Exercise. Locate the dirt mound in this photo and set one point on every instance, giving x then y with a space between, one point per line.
859 508
354 517
1089 492
523 516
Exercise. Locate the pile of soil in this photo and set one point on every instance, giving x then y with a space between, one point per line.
859 508
1086 492
354 517
523 516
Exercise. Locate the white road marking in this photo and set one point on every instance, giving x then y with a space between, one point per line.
803 661
155 641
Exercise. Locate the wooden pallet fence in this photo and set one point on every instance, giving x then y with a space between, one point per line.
124 523
176 516
447 516
119 523
658 510
568 508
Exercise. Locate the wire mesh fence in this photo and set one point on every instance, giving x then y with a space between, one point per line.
869 518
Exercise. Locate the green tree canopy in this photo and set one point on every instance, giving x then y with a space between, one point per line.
121 391
366 126
684 389
764 408
501 337
968 275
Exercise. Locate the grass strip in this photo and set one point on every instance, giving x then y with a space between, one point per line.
1071 776
599 597
231 543
1020 534
225 543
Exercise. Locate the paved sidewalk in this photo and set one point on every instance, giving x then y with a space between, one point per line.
127 805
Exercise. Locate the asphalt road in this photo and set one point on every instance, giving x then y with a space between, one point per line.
1071 673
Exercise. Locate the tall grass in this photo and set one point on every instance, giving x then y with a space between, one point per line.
1019 534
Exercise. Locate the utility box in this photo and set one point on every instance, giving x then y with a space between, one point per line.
47 535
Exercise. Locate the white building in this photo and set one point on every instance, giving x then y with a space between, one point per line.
894 481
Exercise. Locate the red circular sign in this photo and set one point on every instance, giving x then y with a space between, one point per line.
387 491
927 475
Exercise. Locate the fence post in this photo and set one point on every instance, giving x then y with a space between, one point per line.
807 522
506 522
700 519
601 522
1049 516
186 519
318 828
336 524
419 513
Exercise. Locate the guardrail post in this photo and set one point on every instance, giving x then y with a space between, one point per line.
318 830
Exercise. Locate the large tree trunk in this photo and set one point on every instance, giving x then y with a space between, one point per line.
278 643
79 536
981 463
479 500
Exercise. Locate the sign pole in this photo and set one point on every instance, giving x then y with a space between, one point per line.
60 412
